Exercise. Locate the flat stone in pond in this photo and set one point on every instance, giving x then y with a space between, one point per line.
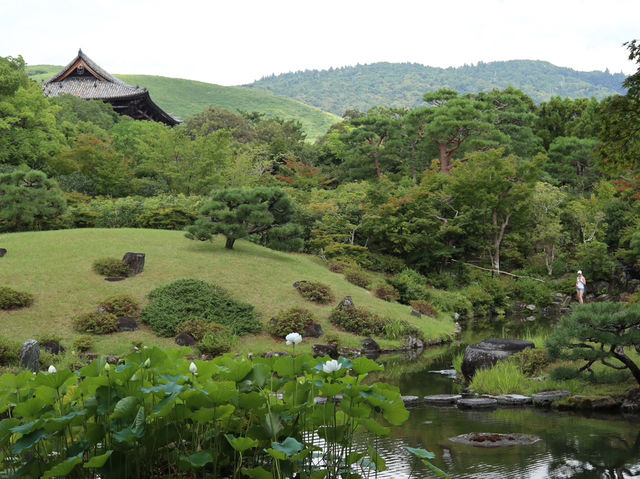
513 400
477 403
411 400
547 397
489 439
442 399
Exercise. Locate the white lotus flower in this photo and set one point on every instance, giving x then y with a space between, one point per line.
107 367
331 366
52 369
293 338
193 368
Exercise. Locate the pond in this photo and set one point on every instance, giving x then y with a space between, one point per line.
572 444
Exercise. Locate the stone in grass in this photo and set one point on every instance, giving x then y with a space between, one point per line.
135 262
3 251
185 339
477 403
547 397
53 347
346 303
442 399
488 352
322 350
127 324
30 355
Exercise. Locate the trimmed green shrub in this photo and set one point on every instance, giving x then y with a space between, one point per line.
196 328
217 341
293 320
110 267
481 300
188 299
12 299
338 265
365 258
316 292
82 344
357 276
386 292
167 219
423 307
531 361
365 323
410 284
9 352
96 323
535 292
122 305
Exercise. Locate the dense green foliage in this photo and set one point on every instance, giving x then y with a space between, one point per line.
292 320
96 322
315 292
156 414
189 299
365 323
12 299
111 267
122 305
401 85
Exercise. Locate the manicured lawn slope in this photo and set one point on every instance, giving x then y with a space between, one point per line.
56 266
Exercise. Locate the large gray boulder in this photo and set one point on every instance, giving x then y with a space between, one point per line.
30 355
135 261
488 352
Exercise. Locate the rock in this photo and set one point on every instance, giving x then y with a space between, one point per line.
135 261
477 403
415 313
53 347
411 400
632 402
30 355
313 330
442 399
320 400
369 345
112 359
322 350
490 439
531 307
347 302
530 318
456 316
275 354
488 352
3 251
185 339
452 373
513 400
594 403
298 283
547 397
518 307
127 324
413 343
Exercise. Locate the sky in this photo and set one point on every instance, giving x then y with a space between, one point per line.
235 42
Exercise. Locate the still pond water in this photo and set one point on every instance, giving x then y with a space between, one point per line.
573 445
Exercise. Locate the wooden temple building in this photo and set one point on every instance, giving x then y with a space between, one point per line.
83 78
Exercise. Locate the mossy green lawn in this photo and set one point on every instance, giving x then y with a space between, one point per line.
56 267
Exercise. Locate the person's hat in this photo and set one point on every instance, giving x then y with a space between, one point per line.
580 272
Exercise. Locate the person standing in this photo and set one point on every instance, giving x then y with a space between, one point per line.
581 286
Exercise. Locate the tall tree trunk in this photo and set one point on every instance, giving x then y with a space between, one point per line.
445 159
229 243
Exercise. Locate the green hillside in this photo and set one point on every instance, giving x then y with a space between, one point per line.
56 267
403 84
185 98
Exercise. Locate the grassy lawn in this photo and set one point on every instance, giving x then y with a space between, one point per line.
56 266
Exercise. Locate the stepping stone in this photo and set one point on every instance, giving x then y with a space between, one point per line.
411 400
547 397
442 399
477 403
513 400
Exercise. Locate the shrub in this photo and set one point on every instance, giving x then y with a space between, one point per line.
110 267
122 305
365 323
168 219
386 292
82 344
293 320
338 265
316 292
481 300
189 299
410 285
357 276
12 299
423 307
394 328
450 302
534 292
531 361
96 323
365 258
9 352
219 339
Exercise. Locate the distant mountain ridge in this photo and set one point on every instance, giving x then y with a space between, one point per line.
400 85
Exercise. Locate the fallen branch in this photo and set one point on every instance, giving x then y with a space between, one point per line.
498 271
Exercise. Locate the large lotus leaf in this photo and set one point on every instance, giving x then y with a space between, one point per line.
251 401
27 428
203 415
395 412
298 393
47 394
29 440
233 369
63 468
241 444
169 388
90 385
31 408
332 389
377 460
127 434
357 410
5 429
94 369
221 392
54 380
95 432
354 457
97 461
272 424
165 407
125 408
365 365
14 382
332 433
259 375
257 473
421 453
290 446
375 427
54 424
122 373
197 460
78 447
195 399
173 378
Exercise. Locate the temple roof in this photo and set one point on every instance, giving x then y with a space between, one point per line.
84 78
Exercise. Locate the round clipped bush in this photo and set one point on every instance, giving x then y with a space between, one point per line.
386 292
196 328
9 352
111 267
122 305
96 323
365 323
293 320
338 265
82 344
357 276
316 292
217 340
424 307
12 299
189 299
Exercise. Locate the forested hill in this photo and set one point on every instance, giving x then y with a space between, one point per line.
403 84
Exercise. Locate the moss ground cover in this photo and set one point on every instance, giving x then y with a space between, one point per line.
56 266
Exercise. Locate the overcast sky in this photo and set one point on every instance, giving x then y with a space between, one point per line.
238 41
